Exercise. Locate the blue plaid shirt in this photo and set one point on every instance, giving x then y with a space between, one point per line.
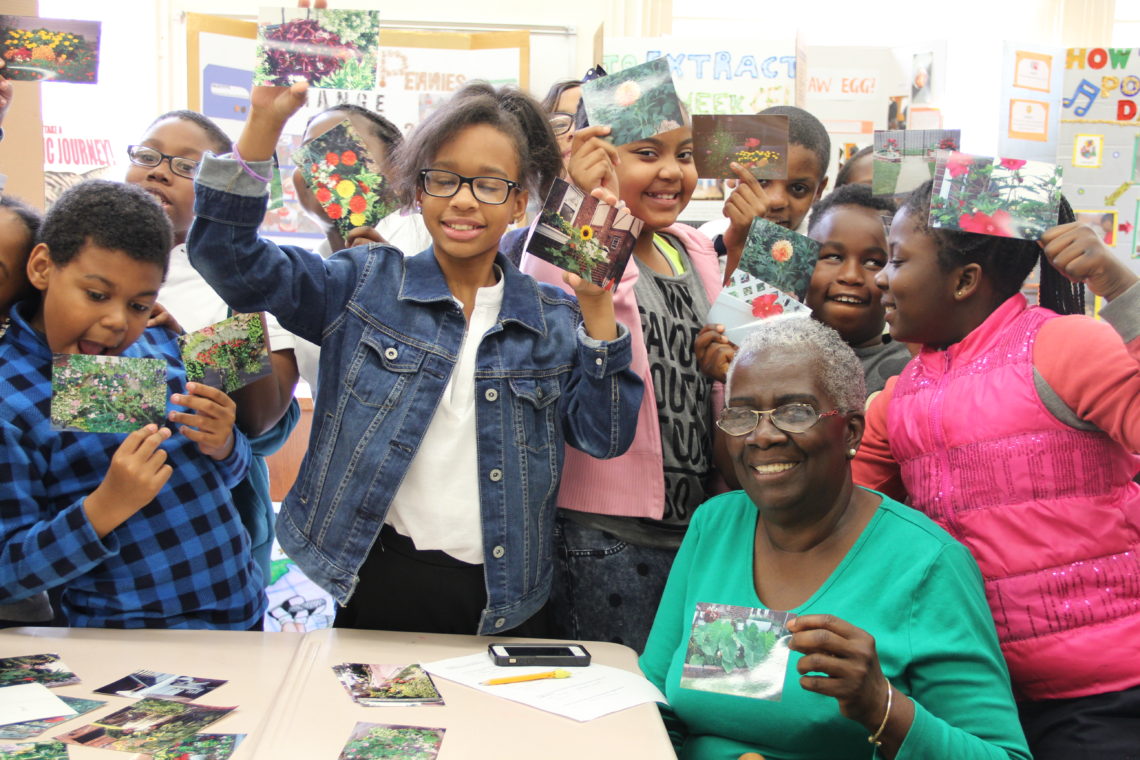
182 561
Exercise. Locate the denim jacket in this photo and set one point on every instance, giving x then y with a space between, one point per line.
390 333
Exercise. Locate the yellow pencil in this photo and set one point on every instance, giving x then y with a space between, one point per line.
531 677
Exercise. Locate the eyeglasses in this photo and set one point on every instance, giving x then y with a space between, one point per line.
561 122
444 184
141 155
791 418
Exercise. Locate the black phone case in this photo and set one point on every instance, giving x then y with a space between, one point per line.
553 660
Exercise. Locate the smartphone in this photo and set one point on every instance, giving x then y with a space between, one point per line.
561 655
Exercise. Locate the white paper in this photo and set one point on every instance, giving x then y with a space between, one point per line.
30 701
588 693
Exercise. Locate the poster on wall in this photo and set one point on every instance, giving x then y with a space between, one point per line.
1031 82
72 155
1098 142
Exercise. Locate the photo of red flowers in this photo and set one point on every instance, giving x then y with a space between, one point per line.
343 175
329 48
1005 197
758 143
228 355
49 49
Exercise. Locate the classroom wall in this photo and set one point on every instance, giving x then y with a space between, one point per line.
22 149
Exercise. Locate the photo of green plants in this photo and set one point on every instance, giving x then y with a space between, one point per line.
1005 197
635 103
375 685
107 394
329 48
905 158
737 650
47 669
201 747
147 726
780 257
759 143
372 741
34 751
228 355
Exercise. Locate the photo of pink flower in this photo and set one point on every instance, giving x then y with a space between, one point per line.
782 250
635 103
627 94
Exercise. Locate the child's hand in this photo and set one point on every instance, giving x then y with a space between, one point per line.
597 306
714 352
270 108
744 204
160 317
593 164
1077 251
137 473
211 426
361 235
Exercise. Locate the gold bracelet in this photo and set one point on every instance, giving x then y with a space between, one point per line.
874 739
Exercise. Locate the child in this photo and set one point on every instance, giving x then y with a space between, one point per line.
621 521
1017 430
163 164
449 381
138 530
850 227
857 170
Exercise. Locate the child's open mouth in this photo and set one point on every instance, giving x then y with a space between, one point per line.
457 230
91 348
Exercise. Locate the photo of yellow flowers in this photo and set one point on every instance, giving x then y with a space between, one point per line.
580 234
344 177
49 50
780 257
757 142
635 103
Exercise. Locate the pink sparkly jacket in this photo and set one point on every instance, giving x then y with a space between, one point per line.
632 485
1021 441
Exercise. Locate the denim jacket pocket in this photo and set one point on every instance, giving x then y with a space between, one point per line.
535 411
381 368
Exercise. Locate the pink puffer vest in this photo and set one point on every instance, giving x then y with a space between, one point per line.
1050 512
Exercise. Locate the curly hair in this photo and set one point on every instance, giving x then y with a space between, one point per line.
112 215
511 111
219 140
1007 262
850 195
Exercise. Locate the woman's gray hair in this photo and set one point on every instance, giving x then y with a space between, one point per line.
840 371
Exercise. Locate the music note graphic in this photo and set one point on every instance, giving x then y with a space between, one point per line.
1088 90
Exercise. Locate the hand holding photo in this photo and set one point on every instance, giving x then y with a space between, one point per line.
149 683
580 234
384 685
741 651
372 741
344 176
905 158
329 48
47 669
780 257
758 143
49 49
634 103
1005 197
107 394
228 355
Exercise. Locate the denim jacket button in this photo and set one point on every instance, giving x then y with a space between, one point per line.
598 361
498 552
491 395
390 354
500 622
496 475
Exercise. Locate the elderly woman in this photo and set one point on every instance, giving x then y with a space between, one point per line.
891 641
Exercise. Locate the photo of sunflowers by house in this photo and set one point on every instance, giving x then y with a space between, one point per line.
758 143
107 394
1005 197
228 355
780 257
49 50
329 48
635 103
344 177
905 158
580 234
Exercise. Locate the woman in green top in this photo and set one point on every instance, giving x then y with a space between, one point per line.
891 640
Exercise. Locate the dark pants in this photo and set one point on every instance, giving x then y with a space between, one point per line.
404 589
1100 727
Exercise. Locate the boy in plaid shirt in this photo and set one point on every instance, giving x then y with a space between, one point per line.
137 530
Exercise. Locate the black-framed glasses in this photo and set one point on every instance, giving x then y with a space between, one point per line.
444 184
561 122
791 418
141 155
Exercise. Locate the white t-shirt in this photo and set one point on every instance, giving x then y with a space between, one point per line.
442 513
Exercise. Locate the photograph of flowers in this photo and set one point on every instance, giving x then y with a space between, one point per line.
378 685
759 143
34 751
580 234
49 50
372 741
905 158
745 301
780 257
1006 197
47 669
330 48
147 726
201 747
737 650
344 176
107 394
32 728
635 103
228 355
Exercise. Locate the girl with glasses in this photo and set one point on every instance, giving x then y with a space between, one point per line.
450 382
